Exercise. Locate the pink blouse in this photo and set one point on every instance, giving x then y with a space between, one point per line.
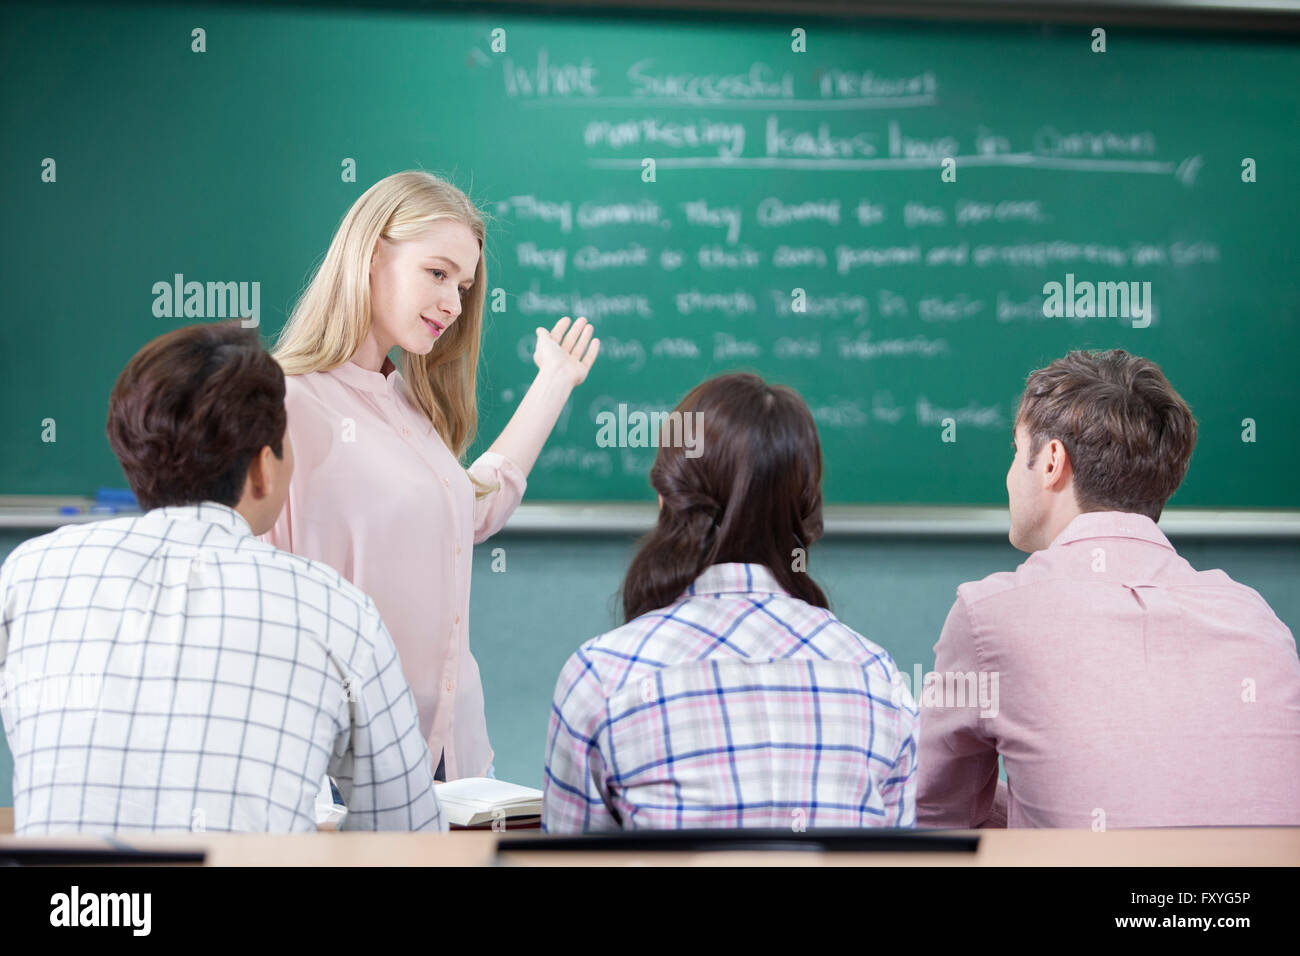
376 494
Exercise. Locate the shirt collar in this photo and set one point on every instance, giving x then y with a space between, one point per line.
364 379
736 578
209 512
1112 524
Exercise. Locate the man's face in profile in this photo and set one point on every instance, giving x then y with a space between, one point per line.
1025 495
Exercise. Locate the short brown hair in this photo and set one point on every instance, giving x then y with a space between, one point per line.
191 409
1129 435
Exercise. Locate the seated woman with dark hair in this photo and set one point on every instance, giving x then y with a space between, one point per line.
732 696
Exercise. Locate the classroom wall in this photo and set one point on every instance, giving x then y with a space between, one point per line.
558 591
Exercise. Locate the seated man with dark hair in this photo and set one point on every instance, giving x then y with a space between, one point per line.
169 671
1135 691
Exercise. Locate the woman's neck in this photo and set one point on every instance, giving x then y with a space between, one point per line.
370 356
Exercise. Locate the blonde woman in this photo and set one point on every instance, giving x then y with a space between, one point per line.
378 490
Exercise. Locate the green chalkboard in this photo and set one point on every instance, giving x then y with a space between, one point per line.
775 170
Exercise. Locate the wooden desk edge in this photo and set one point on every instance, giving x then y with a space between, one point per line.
1213 846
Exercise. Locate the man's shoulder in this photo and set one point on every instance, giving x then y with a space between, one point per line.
1000 583
1041 573
72 536
1225 586
143 534
318 572
1062 574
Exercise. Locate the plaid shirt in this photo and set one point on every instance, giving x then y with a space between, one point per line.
737 706
169 671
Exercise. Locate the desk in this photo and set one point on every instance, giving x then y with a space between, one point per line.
1175 847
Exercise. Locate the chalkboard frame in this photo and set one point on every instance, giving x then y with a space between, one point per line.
1249 15
38 514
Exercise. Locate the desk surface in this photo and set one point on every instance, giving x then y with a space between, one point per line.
1227 846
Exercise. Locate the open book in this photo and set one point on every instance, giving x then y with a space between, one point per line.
328 813
469 802
483 801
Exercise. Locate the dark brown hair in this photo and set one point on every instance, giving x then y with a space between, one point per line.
1128 433
191 410
752 495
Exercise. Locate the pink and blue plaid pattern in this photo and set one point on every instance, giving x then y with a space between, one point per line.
737 706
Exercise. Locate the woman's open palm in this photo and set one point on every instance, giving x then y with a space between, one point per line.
567 348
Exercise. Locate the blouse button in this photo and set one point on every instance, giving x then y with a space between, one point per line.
451 685
446 481
458 549
406 431
457 618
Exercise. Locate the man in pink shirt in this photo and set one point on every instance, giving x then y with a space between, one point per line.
1120 686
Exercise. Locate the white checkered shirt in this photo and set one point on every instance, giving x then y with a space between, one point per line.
169 671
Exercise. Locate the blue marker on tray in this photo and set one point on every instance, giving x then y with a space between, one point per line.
118 497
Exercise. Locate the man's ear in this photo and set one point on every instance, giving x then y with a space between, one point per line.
1057 469
257 477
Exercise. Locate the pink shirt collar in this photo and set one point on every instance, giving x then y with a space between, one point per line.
366 380
1112 524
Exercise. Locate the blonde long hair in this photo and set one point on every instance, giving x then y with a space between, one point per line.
332 317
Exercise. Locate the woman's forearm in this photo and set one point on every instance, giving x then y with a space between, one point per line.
524 435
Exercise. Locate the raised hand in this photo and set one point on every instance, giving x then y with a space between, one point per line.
567 349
